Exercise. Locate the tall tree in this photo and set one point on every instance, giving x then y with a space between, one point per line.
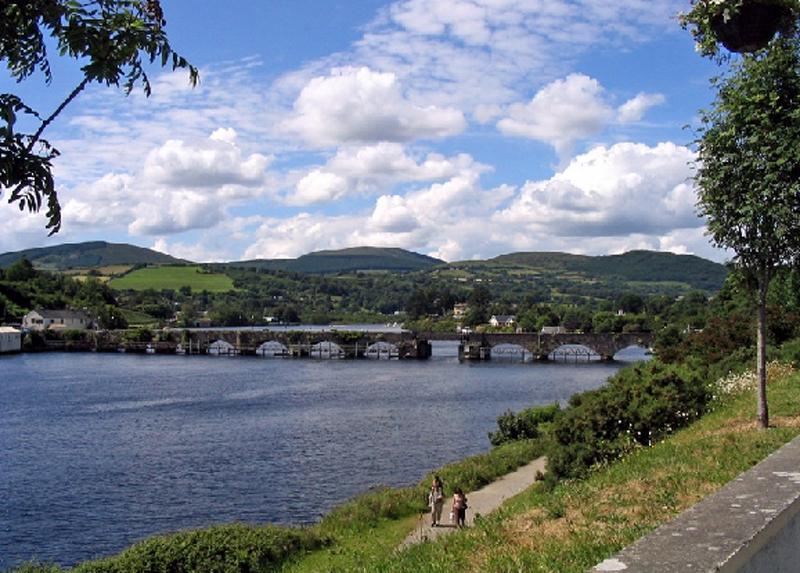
113 40
748 174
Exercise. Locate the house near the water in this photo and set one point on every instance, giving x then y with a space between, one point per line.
57 320
502 320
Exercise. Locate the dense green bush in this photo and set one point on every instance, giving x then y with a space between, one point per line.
138 335
234 548
524 425
639 406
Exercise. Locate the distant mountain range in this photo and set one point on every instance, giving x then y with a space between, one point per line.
635 266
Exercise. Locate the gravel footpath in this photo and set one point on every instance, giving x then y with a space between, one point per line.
483 502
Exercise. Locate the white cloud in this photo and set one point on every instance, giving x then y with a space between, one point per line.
560 113
483 52
620 191
166 212
363 171
192 252
633 110
393 214
319 187
181 185
569 110
358 105
215 162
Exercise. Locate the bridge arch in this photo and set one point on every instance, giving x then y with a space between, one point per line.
573 353
326 349
272 348
221 348
511 352
382 350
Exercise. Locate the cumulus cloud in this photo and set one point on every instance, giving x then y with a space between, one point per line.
619 191
215 162
611 199
569 110
560 113
471 53
633 110
363 171
181 185
393 214
358 105
175 211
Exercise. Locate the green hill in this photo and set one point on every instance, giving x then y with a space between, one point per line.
630 267
348 260
87 255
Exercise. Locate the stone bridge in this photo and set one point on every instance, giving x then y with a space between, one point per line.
336 343
479 346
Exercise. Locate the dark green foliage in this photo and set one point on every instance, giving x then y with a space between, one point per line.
234 548
21 270
26 288
138 335
524 425
639 406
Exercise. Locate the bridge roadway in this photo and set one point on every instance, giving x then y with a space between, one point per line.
358 344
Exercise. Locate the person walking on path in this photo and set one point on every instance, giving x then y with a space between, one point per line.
460 508
481 502
436 501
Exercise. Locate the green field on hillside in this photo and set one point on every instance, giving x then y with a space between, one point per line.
173 278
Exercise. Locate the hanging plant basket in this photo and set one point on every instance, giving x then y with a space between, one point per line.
751 28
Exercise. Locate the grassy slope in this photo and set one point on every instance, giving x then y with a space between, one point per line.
173 278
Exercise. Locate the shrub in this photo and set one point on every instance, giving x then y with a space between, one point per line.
138 335
524 425
234 548
639 405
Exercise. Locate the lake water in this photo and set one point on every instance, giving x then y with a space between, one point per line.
102 451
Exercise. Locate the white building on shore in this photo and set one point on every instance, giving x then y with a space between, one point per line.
10 340
56 320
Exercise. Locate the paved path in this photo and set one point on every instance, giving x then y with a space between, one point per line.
483 501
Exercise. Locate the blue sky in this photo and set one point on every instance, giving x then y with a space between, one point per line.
461 129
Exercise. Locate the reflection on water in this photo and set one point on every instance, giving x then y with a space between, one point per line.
100 451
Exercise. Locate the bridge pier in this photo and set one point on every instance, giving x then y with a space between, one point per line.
474 351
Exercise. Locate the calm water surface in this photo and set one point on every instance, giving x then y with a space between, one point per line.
101 451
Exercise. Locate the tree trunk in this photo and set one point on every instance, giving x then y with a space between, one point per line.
761 354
